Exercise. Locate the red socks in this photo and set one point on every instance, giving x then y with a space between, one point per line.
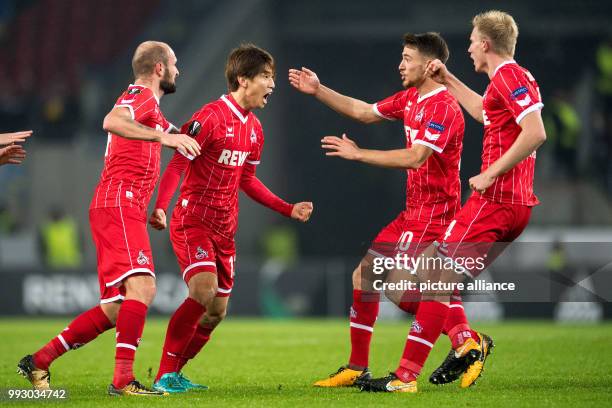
130 324
86 327
410 301
363 315
181 330
424 332
456 325
199 340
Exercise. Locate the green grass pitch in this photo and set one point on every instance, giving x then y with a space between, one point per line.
273 363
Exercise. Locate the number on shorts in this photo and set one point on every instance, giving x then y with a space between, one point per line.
231 262
449 229
405 240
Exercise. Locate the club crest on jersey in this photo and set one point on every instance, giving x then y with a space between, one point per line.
201 253
133 91
142 258
253 136
419 116
516 96
416 327
194 128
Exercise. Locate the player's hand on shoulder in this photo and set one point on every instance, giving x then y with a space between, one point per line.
13 154
304 80
181 142
302 211
158 219
437 71
15 137
341 147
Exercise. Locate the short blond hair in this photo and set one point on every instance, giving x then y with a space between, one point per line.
500 28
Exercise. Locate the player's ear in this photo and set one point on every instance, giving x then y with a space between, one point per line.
159 69
242 81
486 45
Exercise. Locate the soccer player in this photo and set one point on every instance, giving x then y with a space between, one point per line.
136 131
500 207
434 127
13 153
205 218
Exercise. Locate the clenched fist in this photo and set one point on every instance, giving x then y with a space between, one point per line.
302 211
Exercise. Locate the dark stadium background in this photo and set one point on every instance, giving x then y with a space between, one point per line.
64 63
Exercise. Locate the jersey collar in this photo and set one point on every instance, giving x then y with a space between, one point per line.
142 86
234 107
501 65
432 93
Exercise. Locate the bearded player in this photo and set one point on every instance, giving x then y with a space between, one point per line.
205 218
434 128
500 207
136 131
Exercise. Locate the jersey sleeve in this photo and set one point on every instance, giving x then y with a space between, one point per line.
141 103
391 108
201 126
169 127
519 92
439 124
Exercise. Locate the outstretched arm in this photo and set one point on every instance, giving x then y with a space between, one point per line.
347 149
306 81
120 122
15 137
13 154
470 100
256 190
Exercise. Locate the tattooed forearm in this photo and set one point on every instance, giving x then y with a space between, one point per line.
133 122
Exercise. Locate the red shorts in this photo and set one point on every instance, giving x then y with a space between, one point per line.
405 235
122 248
480 232
198 250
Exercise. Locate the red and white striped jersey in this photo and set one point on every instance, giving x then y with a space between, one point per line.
131 167
512 94
435 120
231 141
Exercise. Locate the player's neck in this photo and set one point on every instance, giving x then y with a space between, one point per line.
148 83
494 61
428 86
241 99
